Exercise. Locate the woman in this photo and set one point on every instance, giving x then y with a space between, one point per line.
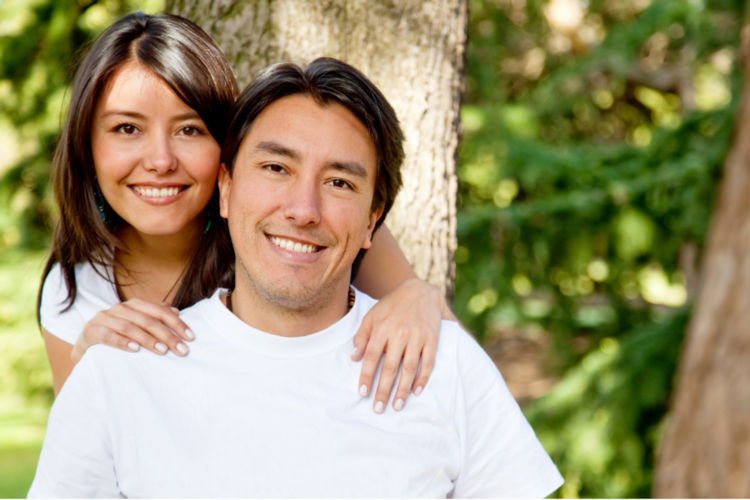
139 235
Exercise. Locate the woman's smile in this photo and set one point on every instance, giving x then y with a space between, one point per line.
155 161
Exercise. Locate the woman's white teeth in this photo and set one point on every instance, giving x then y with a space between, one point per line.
152 192
293 246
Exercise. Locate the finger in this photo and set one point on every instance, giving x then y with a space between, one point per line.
370 362
409 367
388 373
425 366
362 338
97 331
144 329
82 345
165 313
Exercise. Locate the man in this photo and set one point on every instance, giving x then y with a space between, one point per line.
263 406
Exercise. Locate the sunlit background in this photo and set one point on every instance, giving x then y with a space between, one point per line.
594 133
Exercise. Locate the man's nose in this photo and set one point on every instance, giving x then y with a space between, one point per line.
160 155
302 205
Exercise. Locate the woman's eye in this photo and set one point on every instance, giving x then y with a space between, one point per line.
191 131
126 128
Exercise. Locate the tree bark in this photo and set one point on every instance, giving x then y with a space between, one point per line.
412 50
705 450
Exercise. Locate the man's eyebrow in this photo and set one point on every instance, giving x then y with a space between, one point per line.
350 167
276 148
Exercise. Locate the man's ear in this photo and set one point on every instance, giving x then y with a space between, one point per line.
225 189
374 216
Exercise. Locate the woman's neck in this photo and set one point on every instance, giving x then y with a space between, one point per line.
153 267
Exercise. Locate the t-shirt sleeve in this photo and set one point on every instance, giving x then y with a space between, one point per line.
66 325
502 456
76 458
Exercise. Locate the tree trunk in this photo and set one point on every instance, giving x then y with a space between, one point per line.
706 446
412 50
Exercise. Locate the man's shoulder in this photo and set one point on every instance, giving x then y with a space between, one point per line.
458 352
204 306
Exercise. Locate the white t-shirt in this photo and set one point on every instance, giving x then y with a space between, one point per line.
249 413
94 294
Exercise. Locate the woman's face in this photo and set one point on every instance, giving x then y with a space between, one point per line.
155 160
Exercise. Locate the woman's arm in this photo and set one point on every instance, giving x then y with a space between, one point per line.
129 326
403 326
384 266
58 354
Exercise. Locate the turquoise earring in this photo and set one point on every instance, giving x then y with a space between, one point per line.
99 197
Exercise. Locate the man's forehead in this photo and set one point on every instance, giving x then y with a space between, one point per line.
297 125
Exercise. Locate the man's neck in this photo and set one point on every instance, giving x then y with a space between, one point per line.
287 319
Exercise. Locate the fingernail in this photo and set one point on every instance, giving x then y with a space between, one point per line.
133 346
398 405
189 334
418 391
160 347
175 310
354 351
363 390
182 348
379 407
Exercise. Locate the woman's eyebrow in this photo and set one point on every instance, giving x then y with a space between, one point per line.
189 115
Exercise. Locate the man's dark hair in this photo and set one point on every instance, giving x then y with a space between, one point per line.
327 81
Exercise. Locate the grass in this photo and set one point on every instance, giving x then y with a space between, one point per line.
26 389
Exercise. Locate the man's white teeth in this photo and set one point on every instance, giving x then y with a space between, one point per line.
152 192
293 246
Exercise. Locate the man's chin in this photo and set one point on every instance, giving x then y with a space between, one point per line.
300 298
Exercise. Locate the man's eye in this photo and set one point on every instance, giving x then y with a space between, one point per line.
126 128
341 184
274 167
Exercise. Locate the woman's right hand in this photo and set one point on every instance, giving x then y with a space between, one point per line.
133 324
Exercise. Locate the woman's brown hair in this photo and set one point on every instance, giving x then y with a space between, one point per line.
188 60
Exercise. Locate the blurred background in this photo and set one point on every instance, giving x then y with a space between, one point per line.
594 135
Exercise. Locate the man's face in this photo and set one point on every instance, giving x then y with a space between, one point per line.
299 202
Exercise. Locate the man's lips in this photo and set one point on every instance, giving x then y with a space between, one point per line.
293 245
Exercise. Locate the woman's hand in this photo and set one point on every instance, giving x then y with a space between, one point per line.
403 327
133 324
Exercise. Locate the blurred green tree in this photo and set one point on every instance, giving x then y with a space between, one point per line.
704 451
594 136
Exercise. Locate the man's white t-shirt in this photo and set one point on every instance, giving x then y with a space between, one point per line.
94 294
248 413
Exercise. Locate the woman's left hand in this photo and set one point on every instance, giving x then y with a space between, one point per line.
402 327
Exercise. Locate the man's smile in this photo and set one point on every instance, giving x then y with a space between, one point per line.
294 246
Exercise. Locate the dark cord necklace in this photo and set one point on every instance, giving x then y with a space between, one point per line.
350 300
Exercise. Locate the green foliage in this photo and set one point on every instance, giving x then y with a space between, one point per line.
588 171
601 422
26 388
23 364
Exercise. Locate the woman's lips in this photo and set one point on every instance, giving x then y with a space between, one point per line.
157 194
